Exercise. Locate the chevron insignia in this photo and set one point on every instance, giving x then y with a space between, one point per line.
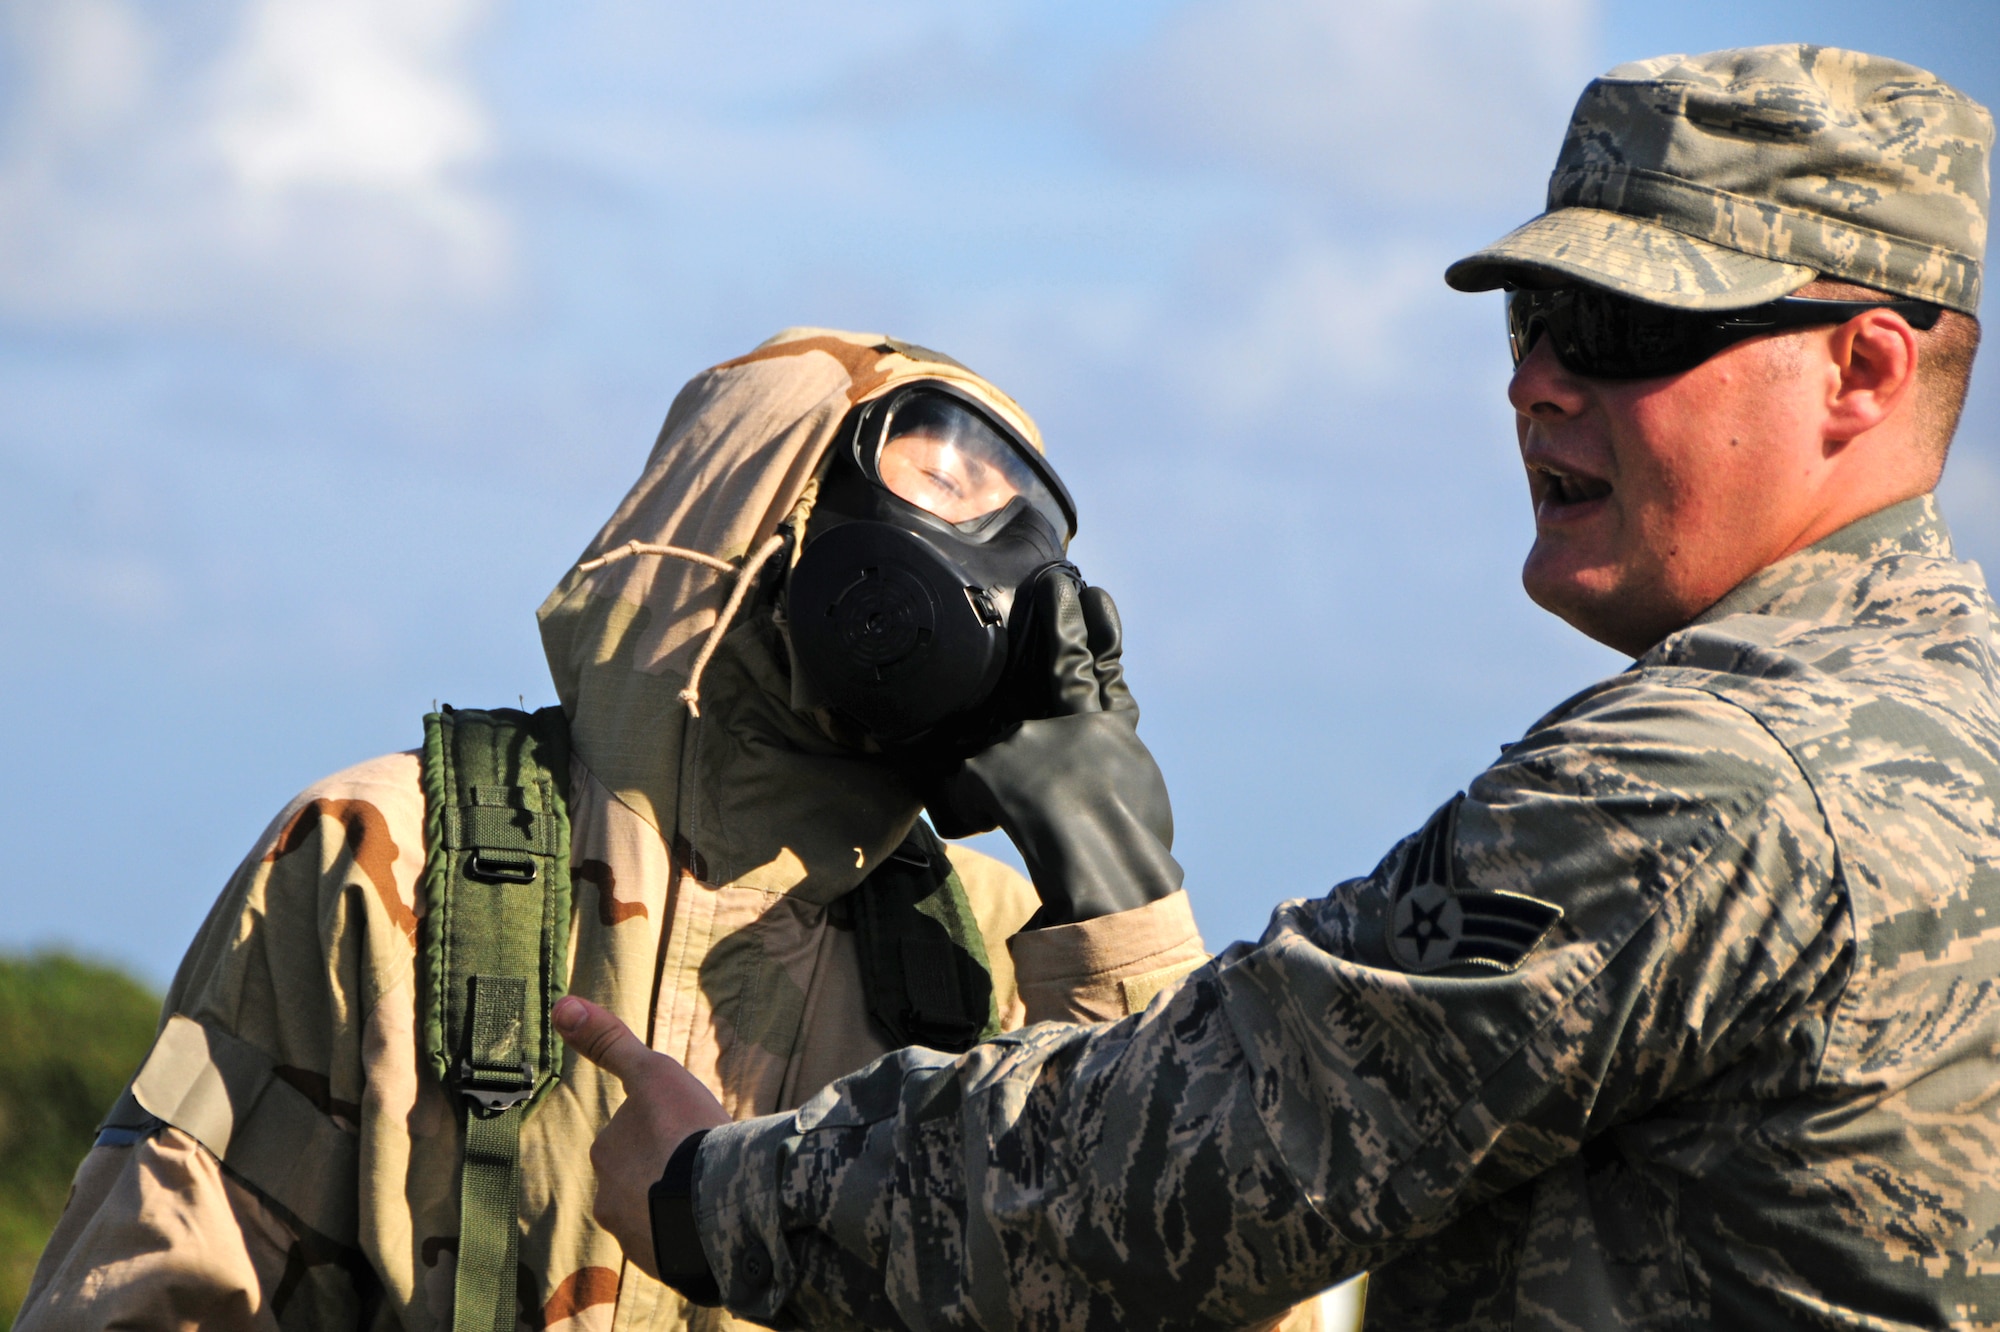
1434 924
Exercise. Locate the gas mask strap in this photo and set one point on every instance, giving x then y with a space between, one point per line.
744 577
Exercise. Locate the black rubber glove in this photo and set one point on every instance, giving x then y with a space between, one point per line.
1077 792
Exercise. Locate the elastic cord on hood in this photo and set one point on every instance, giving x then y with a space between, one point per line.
743 578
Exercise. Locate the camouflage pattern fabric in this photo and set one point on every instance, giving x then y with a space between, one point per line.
1729 179
285 1158
1686 1013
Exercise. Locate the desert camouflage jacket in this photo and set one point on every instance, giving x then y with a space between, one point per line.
319 1189
1684 1014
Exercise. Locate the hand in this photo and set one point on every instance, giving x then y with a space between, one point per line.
663 1104
1075 789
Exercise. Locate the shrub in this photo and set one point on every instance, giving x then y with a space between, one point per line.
72 1033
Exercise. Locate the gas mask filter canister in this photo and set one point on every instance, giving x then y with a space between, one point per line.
933 516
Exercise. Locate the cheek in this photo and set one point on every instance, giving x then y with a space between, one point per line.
1687 438
1707 477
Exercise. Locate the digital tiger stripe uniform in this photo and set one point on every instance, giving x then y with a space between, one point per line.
1736 1062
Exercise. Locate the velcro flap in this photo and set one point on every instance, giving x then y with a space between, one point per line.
505 829
223 1092
502 797
499 1030
1141 989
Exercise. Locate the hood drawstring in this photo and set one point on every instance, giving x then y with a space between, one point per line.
632 548
744 577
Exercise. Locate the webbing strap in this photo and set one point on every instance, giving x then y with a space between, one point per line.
489 1238
495 947
924 969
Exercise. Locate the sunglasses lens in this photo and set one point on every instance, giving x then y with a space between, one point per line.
1633 340
1605 336
1521 326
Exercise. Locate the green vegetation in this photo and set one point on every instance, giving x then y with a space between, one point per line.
71 1035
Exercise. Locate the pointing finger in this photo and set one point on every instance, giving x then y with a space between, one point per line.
599 1036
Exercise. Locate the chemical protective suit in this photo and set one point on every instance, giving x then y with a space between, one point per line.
286 1157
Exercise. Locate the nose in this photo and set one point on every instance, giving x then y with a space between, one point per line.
1542 389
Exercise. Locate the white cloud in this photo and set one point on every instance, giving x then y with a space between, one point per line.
345 93
310 168
1344 152
85 65
1398 101
1318 312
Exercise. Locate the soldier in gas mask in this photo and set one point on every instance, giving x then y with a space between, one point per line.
842 571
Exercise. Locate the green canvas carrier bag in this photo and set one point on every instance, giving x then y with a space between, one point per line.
494 952
493 960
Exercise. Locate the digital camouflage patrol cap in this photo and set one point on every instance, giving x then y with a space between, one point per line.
1719 181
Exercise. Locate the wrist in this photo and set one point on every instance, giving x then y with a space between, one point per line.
677 1249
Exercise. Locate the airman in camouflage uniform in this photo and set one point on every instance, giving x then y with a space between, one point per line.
1686 1012
286 1157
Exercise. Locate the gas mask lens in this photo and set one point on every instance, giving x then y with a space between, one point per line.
950 461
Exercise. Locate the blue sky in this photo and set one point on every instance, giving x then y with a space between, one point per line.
330 330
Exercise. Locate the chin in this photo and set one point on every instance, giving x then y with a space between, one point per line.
1595 606
1559 587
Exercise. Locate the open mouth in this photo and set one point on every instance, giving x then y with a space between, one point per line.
1560 490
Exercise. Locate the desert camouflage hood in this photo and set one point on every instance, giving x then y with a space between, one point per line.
720 755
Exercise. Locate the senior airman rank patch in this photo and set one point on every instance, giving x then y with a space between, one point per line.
1434 924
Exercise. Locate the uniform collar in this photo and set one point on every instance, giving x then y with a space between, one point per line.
1913 527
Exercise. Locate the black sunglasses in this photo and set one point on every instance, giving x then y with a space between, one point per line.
1602 335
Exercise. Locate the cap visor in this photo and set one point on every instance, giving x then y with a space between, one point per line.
1628 255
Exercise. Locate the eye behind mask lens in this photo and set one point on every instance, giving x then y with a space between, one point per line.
935 451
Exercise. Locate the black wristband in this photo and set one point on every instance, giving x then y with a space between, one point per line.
677 1250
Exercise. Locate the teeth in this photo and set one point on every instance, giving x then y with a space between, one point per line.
1567 489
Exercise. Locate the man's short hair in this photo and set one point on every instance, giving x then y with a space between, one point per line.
1944 361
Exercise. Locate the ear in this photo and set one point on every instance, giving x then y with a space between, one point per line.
1874 360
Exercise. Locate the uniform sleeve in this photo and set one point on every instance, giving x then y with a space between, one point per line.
1102 969
1609 916
153 1238
224 1193
1092 971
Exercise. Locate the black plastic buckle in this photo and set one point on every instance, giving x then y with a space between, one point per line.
498 869
488 1102
905 854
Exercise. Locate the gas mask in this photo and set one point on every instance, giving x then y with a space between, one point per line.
934 518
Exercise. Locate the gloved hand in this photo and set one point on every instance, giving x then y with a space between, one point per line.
1077 792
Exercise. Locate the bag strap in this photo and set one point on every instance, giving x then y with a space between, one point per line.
495 950
924 967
